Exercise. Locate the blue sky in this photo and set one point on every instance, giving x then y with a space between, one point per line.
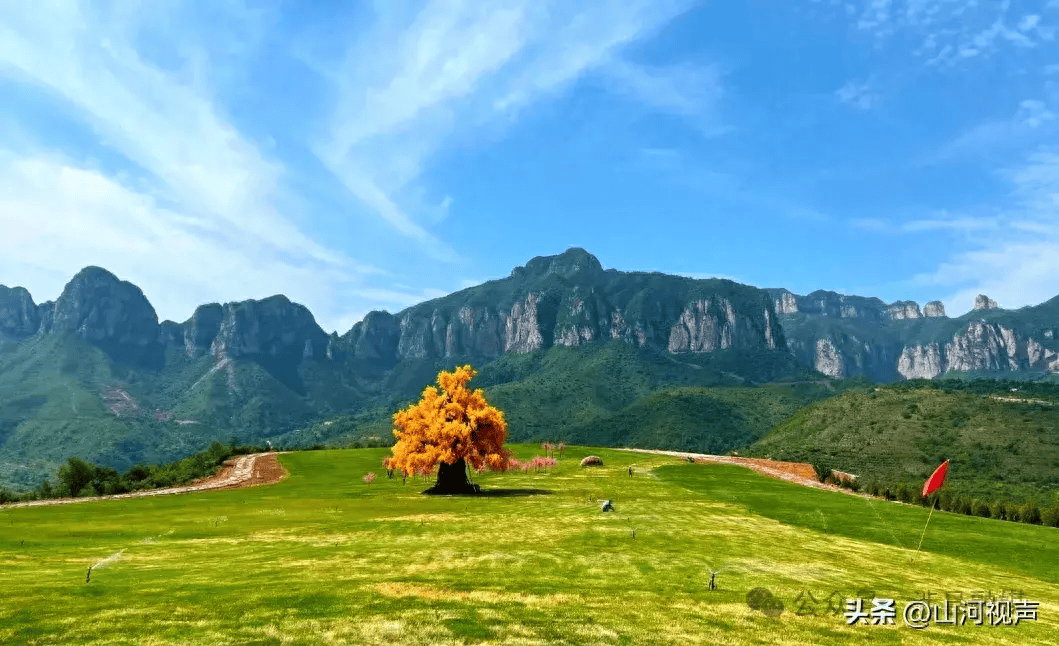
360 156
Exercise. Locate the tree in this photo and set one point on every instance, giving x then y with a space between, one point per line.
76 474
450 429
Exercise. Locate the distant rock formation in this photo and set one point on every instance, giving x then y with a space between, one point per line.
19 317
983 302
934 308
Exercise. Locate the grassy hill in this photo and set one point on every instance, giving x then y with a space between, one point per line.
323 557
1000 450
611 394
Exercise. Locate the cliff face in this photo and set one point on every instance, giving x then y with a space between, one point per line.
111 314
18 314
848 335
562 300
570 300
273 327
983 346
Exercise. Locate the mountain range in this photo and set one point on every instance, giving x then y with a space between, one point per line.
566 346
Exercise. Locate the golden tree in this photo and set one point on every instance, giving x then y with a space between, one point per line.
450 429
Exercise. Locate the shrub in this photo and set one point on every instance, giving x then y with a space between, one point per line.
1050 516
963 505
6 496
592 460
946 501
979 508
823 472
903 493
1030 513
873 488
996 510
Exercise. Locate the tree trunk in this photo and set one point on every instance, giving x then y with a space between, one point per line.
452 479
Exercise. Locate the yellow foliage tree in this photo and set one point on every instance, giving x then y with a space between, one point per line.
450 429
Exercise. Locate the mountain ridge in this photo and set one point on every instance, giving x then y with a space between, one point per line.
263 368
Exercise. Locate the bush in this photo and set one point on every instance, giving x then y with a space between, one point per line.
1030 513
6 496
996 510
823 472
946 501
873 489
903 493
1050 516
979 508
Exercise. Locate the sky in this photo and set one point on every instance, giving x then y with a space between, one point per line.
357 156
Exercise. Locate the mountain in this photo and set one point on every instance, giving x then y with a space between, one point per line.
1002 444
847 336
566 348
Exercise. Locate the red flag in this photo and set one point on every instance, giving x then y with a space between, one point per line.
936 479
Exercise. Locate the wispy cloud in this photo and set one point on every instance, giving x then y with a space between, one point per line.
1032 120
858 94
457 67
157 91
950 32
191 192
687 90
1016 263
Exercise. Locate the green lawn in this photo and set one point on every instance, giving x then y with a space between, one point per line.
324 558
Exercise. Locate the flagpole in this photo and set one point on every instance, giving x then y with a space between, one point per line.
924 530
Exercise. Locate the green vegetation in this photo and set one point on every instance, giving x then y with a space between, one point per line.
899 433
79 478
323 557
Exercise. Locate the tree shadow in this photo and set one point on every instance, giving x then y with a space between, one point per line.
497 493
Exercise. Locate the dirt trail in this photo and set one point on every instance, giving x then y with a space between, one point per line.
796 472
240 471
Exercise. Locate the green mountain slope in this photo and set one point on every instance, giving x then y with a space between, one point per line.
999 449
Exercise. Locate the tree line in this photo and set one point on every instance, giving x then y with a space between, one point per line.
1029 512
79 478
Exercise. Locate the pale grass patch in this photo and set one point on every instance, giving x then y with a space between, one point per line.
422 518
400 589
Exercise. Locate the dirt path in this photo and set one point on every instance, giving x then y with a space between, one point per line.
240 471
796 472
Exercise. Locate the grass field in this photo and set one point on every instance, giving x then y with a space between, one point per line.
324 558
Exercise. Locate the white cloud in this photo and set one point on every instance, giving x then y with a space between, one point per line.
1014 257
1031 118
1029 21
457 68
860 95
60 217
198 213
687 90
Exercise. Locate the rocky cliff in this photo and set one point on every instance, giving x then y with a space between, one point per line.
570 300
111 314
562 300
850 335
982 346
19 318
